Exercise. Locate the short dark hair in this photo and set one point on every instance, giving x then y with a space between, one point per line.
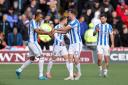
37 13
103 15
62 18
72 11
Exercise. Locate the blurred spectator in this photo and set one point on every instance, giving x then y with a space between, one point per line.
107 8
83 27
2 41
125 36
52 5
45 40
12 18
89 38
117 38
96 19
5 27
15 38
116 22
96 6
33 6
4 5
23 28
53 12
122 11
44 7
28 13
89 15
15 6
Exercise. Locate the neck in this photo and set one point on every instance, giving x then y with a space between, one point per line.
61 23
73 18
36 20
4 20
104 23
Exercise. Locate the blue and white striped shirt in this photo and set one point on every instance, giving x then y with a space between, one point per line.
103 34
60 37
75 32
32 34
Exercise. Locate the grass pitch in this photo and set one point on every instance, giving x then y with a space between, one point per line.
118 75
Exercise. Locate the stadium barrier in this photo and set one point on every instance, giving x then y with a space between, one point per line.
12 55
117 55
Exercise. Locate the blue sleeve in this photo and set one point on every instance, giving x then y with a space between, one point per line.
73 25
110 29
96 27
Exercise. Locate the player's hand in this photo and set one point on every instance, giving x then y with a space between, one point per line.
97 30
112 46
51 34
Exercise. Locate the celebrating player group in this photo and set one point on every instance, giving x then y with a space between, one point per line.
72 54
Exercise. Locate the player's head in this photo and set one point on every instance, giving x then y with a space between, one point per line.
63 19
38 16
71 13
103 18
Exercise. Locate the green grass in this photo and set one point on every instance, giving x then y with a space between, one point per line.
118 75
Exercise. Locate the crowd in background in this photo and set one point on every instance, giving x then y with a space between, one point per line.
16 14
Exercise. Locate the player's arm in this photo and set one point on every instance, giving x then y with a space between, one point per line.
41 32
96 30
112 39
111 36
64 30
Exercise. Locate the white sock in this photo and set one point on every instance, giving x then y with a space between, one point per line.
67 65
28 62
50 64
78 68
71 69
100 68
41 63
105 71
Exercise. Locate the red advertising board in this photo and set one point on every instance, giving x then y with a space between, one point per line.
10 57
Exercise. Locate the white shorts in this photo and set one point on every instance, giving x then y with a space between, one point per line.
75 49
103 50
34 49
59 50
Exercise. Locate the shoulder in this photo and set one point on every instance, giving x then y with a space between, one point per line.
74 22
56 27
109 25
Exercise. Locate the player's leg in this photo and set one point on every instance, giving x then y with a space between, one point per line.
38 54
28 62
67 62
71 55
64 53
77 61
106 58
55 54
49 67
100 55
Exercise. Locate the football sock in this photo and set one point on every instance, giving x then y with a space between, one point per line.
41 63
78 68
28 62
50 64
71 69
